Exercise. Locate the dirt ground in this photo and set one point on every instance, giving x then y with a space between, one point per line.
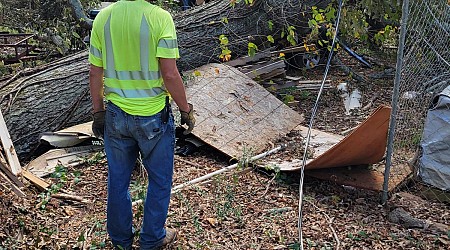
249 208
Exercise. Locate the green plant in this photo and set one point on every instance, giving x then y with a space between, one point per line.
363 234
226 53
288 98
383 35
353 237
252 48
60 173
138 189
94 159
76 177
194 214
246 157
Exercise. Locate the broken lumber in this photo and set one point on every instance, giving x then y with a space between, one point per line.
11 180
38 182
10 152
249 59
10 175
295 49
265 70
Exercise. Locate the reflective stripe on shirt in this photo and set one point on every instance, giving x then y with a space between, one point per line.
143 74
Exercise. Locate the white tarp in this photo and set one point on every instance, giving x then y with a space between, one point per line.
434 164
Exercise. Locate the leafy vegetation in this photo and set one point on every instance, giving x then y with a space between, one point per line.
370 22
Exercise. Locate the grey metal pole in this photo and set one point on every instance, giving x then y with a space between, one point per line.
394 103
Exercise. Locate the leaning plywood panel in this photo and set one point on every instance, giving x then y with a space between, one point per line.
365 145
233 112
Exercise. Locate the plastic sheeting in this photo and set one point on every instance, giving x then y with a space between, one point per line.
434 164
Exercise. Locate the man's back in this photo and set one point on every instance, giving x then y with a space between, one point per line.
127 39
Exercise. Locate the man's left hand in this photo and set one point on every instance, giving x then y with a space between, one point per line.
188 119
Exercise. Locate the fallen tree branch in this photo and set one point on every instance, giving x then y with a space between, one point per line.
70 197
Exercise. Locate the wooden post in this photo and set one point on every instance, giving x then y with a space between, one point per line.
10 152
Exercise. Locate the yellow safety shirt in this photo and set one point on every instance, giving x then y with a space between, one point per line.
127 39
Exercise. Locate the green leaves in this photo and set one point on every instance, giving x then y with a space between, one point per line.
270 24
226 53
291 36
252 48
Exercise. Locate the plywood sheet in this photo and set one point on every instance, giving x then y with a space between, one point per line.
365 145
344 160
234 112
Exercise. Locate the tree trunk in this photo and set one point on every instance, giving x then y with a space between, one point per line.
57 96
48 98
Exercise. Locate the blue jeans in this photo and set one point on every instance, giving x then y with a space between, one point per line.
125 137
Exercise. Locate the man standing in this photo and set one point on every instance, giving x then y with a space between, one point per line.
134 48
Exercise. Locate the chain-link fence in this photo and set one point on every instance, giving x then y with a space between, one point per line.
419 138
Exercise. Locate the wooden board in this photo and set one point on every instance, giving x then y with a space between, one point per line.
10 152
7 182
10 176
40 183
234 112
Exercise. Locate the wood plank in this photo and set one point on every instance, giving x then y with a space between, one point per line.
40 183
265 71
265 68
295 85
248 59
296 49
10 175
11 154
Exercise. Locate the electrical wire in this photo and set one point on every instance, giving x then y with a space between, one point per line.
311 122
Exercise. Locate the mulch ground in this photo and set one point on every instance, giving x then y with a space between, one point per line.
247 208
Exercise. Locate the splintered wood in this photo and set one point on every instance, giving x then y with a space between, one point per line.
8 147
234 113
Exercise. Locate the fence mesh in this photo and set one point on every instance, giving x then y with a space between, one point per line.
422 154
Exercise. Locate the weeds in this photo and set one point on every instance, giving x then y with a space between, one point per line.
195 217
95 159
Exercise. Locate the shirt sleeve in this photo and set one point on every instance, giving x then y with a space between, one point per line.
95 47
167 44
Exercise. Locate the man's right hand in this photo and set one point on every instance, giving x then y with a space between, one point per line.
98 126
188 119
